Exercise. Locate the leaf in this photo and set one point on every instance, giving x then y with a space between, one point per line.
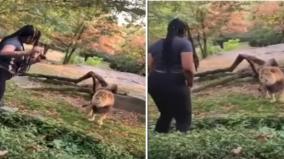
58 143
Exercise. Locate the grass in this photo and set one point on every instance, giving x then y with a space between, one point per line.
218 143
26 137
117 136
222 122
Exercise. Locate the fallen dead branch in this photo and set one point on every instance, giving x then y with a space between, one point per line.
221 81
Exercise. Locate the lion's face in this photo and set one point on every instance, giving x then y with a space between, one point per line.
268 76
103 98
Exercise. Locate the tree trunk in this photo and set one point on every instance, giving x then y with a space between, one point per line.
74 44
204 38
65 60
200 45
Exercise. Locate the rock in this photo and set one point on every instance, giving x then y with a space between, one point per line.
3 153
38 117
237 151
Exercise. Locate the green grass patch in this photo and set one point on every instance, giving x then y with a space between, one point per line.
26 137
234 103
263 143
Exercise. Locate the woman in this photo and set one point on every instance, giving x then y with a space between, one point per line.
13 57
171 64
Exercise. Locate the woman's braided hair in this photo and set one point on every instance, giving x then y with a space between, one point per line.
176 28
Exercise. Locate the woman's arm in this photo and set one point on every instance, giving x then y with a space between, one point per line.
188 66
9 51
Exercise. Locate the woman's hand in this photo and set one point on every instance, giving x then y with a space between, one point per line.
189 79
37 54
189 82
36 51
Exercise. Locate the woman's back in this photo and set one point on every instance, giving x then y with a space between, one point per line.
14 41
179 45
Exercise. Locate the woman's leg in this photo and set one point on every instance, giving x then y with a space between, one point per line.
2 88
4 76
166 115
158 91
182 111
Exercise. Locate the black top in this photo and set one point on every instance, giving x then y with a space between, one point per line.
11 64
179 45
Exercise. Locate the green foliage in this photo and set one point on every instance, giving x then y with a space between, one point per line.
76 59
92 61
231 44
265 36
26 137
213 49
126 63
132 56
219 143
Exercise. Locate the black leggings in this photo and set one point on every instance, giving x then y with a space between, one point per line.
4 76
172 97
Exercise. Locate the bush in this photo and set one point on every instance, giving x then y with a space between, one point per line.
258 137
231 44
218 144
93 61
126 63
27 137
264 37
213 49
76 59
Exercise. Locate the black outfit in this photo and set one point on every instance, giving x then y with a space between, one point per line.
4 64
4 76
168 87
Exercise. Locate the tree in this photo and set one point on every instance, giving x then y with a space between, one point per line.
205 19
269 15
65 24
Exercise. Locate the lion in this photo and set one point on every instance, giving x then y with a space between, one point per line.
101 103
272 80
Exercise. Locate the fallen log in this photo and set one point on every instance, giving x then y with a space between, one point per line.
221 81
50 77
206 73
253 61
73 82
70 89
65 88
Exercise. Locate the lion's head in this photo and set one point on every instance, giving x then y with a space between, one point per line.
269 75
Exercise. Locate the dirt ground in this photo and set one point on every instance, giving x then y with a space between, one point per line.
130 118
133 84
